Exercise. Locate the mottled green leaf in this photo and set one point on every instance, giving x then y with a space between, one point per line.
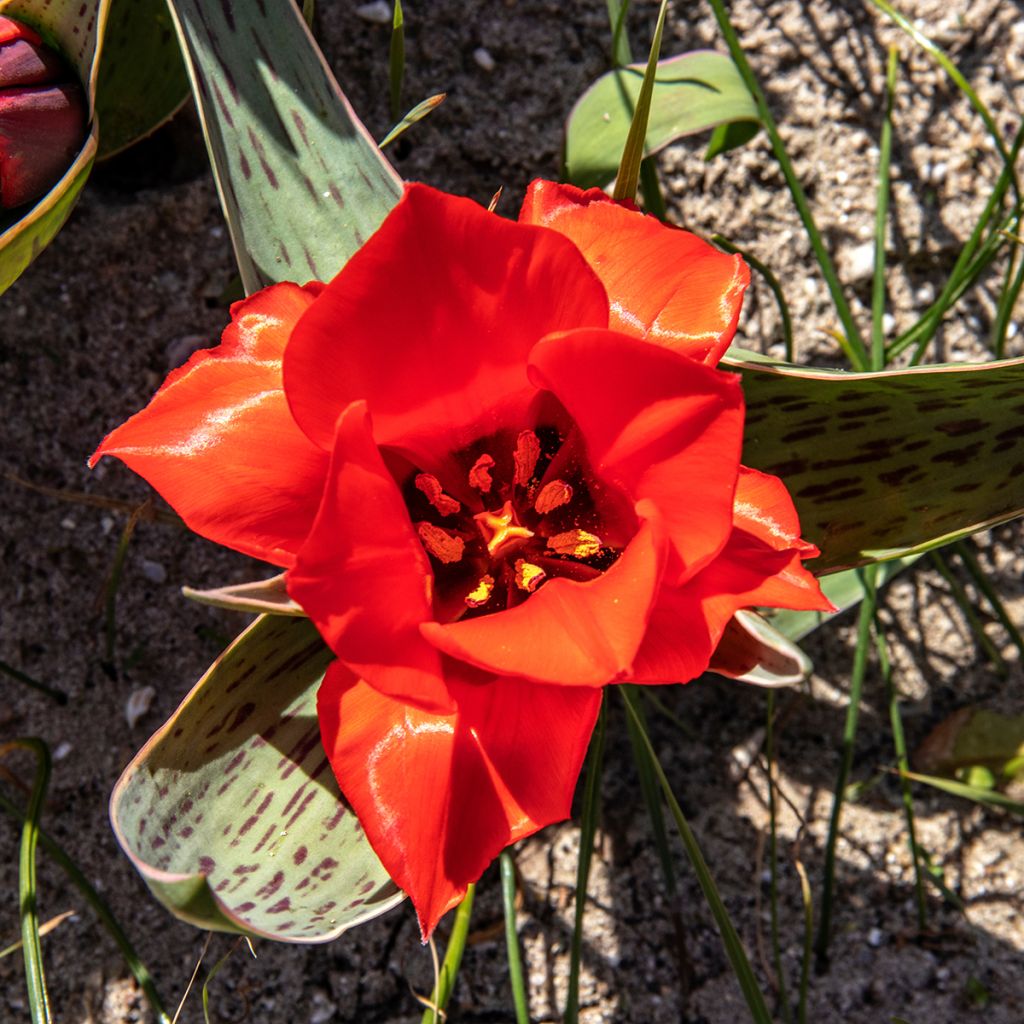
231 812
692 93
886 465
754 651
301 182
974 738
142 79
73 27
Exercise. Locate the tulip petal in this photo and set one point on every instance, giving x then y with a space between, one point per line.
658 426
764 508
569 633
441 795
218 442
431 321
363 577
664 284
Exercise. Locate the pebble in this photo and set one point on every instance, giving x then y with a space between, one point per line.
925 295
484 59
62 750
888 323
138 704
379 12
153 571
859 262
67 523
875 937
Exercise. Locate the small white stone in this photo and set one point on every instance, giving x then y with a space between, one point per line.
859 262
888 323
153 571
925 295
67 523
106 525
842 177
484 59
379 12
875 937
138 704
62 750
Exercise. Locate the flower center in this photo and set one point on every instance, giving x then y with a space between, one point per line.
518 510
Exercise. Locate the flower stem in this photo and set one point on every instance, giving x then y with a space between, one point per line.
515 964
733 947
452 959
588 826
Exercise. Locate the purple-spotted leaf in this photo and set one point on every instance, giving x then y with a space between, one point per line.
231 813
301 182
753 651
142 79
257 598
885 465
73 28
693 92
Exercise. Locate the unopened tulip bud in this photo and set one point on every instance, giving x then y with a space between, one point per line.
42 115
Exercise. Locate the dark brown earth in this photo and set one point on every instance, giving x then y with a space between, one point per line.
137 279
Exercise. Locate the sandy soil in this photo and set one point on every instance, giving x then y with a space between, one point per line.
136 280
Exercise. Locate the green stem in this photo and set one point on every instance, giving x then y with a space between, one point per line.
805 963
731 941
621 53
860 662
102 911
793 182
899 743
396 60
32 950
981 581
773 854
452 959
967 607
515 964
588 828
882 217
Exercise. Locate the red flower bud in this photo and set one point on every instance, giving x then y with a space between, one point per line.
42 115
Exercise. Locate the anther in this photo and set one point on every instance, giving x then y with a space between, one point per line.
528 576
431 487
526 455
480 474
440 543
575 543
481 593
553 495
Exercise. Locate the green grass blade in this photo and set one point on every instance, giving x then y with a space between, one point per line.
31 947
805 961
621 52
981 581
452 959
213 973
515 963
882 217
102 911
860 662
733 947
588 827
1007 303
396 60
773 284
842 307
58 695
975 794
899 743
417 113
628 178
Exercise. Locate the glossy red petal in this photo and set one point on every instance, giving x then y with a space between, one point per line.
663 283
764 509
363 577
569 633
11 30
218 442
679 641
658 426
431 321
440 796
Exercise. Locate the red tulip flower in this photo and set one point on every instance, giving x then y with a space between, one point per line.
42 115
498 480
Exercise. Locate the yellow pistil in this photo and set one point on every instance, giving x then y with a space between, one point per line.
431 487
575 543
526 455
528 576
481 593
480 474
440 543
500 530
553 495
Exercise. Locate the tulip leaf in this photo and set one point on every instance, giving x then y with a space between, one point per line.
886 465
142 80
301 182
73 27
257 597
752 650
231 813
693 92
974 737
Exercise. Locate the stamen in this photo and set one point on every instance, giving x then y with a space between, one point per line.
528 576
500 530
431 487
481 593
575 543
480 474
440 543
553 495
526 455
